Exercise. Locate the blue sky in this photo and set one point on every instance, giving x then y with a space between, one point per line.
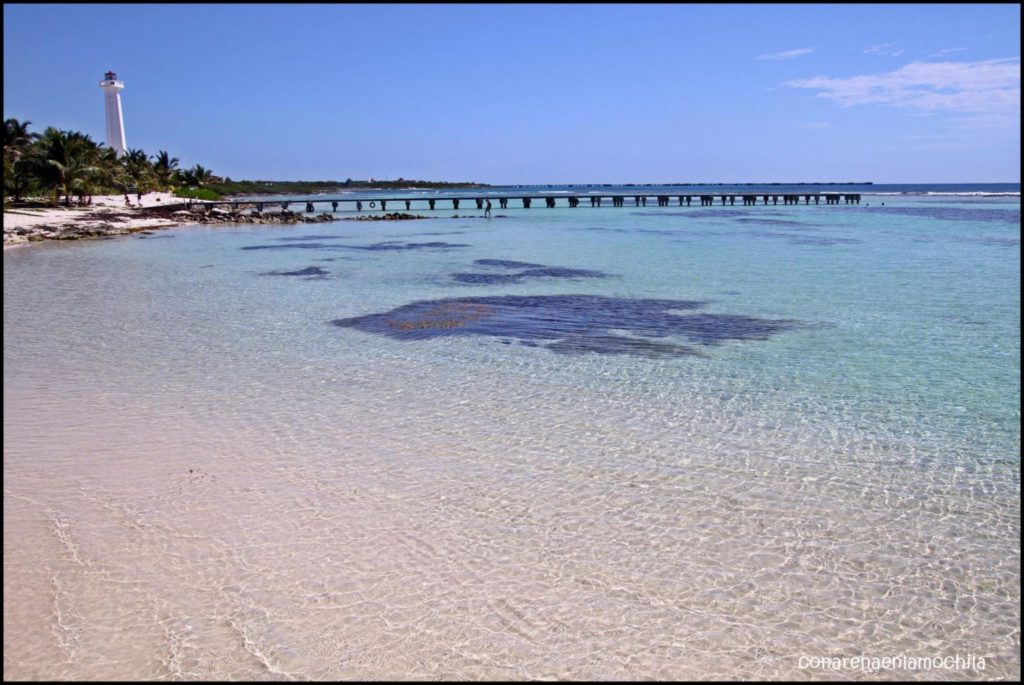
537 93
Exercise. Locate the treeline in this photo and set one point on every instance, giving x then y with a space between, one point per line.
70 164
229 187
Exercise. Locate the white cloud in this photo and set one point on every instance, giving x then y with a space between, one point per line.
947 51
887 49
788 54
986 87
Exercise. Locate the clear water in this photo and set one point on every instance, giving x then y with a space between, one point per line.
206 476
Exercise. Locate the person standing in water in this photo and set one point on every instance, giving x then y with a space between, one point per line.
487 212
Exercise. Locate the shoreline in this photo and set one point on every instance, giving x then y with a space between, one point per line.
109 216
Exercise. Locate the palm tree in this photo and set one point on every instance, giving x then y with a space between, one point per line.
66 161
202 175
196 177
110 173
164 167
139 169
17 144
184 177
17 138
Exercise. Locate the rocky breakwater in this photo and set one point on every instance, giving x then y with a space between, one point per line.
249 215
216 215
393 216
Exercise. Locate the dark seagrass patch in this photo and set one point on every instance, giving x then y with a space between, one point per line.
573 324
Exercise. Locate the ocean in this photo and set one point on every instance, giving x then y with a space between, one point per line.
637 442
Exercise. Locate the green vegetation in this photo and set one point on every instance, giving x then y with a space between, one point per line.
70 164
198 194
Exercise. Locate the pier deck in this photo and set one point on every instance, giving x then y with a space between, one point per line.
526 201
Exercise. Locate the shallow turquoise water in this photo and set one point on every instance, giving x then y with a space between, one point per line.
911 322
884 413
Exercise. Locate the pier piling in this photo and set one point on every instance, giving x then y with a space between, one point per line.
572 201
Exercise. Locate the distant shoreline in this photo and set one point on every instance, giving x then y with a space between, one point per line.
230 188
290 187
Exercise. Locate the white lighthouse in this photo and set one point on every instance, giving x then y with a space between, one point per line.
115 119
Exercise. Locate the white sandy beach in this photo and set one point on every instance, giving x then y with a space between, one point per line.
21 223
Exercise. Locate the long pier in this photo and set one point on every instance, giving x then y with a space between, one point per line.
474 201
